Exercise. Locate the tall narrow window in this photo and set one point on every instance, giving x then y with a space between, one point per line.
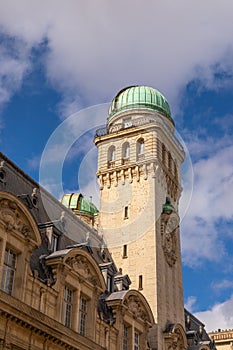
112 153
111 156
126 212
140 147
8 271
125 152
67 307
169 162
136 341
125 337
54 242
125 251
140 285
164 154
82 316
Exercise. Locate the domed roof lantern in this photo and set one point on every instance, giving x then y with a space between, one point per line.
139 97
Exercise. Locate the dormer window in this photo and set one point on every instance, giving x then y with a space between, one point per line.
53 239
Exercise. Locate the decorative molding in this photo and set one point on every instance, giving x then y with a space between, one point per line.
81 265
169 234
134 304
132 173
175 338
11 216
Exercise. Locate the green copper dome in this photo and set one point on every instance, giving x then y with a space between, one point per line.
139 97
76 201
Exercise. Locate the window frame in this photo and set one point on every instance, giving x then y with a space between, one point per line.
67 306
8 271
136 340
125 337
82 323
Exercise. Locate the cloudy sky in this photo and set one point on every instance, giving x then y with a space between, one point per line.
60 57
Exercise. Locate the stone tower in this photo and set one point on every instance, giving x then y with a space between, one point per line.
139 159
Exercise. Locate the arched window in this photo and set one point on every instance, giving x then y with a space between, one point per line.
164 154
111 153
169 162
140 147
125 150
175 172
111 156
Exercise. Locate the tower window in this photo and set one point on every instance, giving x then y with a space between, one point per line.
140 285
125 153
140 147
126 212
163 154
125 150
111 156
125 251
169 162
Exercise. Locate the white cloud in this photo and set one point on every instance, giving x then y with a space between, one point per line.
222 285
190 303
14 64
211 202
219 316
96 49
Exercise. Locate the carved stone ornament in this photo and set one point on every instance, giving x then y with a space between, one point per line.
135 306
169 232
11 216
175 339
81 265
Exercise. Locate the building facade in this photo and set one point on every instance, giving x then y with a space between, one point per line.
78 278
59 288
223 339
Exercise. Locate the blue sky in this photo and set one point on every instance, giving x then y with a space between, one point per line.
57 58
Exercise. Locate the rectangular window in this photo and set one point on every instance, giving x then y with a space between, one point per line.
126 212
8 271
125 251
82 316
53 239
125 337
67 307
109 283
54 242
140 286
136 341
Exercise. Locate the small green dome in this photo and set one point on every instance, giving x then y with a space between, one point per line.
168 208
139 97
76 201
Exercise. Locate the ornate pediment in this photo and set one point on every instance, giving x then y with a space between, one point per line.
175 338
14 217
83 267
135 305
